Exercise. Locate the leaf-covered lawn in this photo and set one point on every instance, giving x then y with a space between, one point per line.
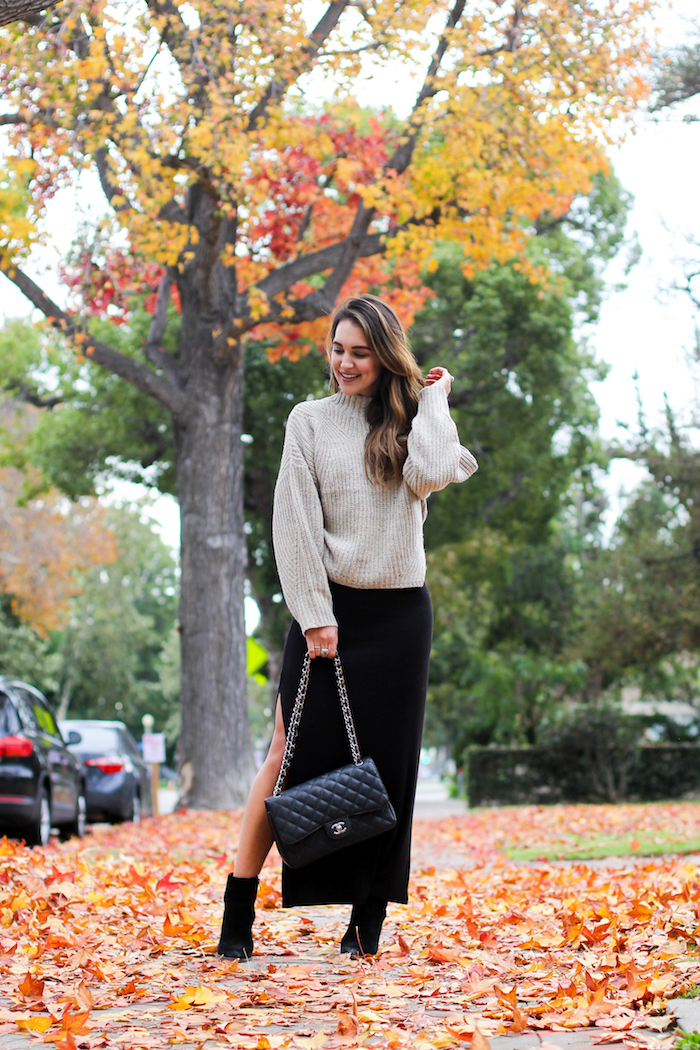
579 832
110 941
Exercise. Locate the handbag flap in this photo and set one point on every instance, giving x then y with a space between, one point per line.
344 792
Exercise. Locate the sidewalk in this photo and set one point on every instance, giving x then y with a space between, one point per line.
151 989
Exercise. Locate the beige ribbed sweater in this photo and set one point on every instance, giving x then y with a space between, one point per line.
331 522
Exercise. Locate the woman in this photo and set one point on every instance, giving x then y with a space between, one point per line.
349 509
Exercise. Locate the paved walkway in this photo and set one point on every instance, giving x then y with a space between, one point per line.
127 1026
433 803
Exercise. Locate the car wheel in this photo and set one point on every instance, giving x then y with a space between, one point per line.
38 832
76 827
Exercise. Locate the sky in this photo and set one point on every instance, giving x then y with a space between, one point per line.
644 329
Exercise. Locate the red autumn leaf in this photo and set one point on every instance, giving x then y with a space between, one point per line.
442 955
133 877
509 998
31 986
59 876
75 1021
166 883
488 940
172 929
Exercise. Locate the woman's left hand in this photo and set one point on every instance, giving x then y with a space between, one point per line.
439 377
322 641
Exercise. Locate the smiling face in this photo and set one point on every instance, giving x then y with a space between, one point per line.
356 368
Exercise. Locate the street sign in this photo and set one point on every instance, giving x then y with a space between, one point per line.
154 747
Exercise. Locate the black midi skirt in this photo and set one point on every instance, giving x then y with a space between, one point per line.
384 639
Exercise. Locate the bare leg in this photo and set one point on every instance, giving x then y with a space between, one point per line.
256 837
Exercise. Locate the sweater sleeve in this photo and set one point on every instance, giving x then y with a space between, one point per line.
297 529
435 457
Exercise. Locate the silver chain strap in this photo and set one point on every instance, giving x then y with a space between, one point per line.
294 721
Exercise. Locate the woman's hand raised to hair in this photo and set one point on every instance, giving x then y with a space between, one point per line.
322 641
439 377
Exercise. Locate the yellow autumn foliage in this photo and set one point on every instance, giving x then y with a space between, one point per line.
522 99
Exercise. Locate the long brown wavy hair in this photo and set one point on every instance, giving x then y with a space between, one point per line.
393 407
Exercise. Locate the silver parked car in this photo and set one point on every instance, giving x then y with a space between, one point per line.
118 781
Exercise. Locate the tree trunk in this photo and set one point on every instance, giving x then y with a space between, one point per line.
216 763
64 702
22 10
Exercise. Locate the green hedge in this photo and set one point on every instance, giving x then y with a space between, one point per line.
498 776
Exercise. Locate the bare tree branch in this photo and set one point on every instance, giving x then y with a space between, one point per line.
153 349
315 262
12 118
24 393
323 300
109 187
402 155
321 31
159 387
22 10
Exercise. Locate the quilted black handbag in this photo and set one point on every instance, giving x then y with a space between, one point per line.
332 811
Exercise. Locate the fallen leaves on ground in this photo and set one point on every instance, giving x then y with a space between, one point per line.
111 941
573 832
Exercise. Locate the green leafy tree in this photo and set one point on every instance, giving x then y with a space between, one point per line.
639 598
112 649
522 400
503 613
677 72
23 654
504 547
113 656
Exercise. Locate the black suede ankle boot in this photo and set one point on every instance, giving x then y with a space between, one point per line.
362 935
236 941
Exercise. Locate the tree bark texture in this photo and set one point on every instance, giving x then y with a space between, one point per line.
214 747
22 10
216 763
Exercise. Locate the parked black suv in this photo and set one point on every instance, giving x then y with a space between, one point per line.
42 784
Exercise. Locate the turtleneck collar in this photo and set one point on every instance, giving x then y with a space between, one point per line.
354 405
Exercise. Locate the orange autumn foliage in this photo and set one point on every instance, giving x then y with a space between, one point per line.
512 106
46 545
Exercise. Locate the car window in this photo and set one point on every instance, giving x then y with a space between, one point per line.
26 710
41 714
96 740
10 724
129 744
